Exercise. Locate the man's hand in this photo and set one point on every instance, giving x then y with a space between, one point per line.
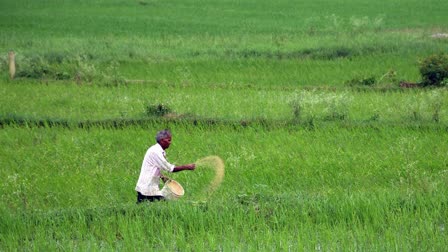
191 166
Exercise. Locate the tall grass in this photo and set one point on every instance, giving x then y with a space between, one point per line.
82 166
344 168
80 103
300 189
160 18
299 62
286 43
268 226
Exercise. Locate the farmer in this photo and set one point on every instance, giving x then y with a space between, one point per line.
153 163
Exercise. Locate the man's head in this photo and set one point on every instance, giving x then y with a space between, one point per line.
163 138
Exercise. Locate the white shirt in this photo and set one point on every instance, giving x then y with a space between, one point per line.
154 161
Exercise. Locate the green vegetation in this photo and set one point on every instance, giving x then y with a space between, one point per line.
73 103
324 149
204 42
434 70
298 188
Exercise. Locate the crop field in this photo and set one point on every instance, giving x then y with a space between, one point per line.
323 146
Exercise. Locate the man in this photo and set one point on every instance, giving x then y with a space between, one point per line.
153 163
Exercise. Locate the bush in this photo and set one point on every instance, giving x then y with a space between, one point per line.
434 70
157 110
34 67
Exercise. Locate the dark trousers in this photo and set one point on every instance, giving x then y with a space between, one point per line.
142 198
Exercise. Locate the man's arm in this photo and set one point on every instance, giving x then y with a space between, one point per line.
184 167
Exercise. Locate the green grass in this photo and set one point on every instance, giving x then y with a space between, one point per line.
311 163
297 61
199 17
250 42
290 188
74 103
